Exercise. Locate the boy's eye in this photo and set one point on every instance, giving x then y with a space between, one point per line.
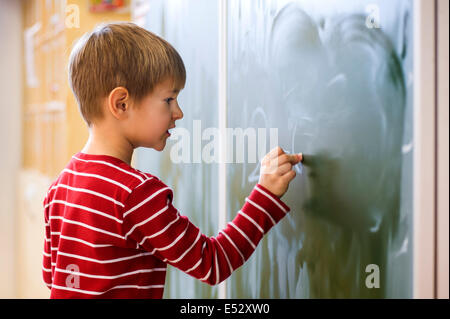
169 100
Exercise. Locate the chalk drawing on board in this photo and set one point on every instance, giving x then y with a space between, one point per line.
254 175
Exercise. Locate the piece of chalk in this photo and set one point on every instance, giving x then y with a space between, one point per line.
299 168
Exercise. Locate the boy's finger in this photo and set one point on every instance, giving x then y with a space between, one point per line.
291 158
283 169
274 153
289 176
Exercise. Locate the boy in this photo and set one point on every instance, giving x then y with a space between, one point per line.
111 229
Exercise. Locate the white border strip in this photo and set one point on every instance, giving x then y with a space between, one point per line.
222 97
443 149
424 151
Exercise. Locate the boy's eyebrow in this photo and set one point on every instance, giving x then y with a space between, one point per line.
173 91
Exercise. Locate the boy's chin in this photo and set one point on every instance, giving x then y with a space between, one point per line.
160 147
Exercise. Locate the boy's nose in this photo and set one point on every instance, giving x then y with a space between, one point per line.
178 113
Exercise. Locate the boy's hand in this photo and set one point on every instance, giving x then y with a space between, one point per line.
276 170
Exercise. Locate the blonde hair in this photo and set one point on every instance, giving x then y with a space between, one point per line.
120 54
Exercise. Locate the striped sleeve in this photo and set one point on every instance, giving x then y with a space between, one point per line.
47 257
152 221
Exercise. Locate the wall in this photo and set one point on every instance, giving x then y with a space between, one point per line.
10 131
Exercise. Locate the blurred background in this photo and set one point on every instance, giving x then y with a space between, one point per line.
41 128
41 125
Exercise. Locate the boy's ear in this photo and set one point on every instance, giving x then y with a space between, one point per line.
118 101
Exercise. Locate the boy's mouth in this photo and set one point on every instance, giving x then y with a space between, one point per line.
170 129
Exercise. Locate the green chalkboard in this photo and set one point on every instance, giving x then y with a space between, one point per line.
334 77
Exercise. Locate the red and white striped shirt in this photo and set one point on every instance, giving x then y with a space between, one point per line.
111 230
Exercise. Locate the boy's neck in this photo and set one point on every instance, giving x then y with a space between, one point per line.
108 142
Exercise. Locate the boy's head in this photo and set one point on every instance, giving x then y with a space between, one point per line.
124 73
